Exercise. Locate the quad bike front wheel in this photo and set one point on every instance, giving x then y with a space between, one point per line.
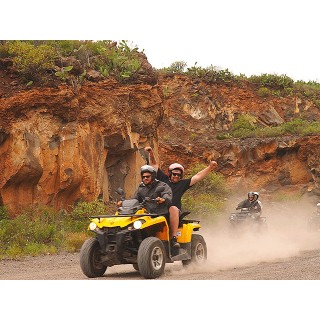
90 254
151 258
198 251
135 267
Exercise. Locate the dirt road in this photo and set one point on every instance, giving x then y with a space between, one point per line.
304 266
287 251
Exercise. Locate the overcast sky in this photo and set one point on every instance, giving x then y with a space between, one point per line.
249 37
245 36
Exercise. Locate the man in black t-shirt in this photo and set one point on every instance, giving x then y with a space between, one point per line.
179 186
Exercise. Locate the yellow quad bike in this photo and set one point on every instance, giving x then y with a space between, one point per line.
134 236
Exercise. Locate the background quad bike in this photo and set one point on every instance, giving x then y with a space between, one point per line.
245 220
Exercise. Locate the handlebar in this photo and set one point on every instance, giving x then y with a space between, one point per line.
148 199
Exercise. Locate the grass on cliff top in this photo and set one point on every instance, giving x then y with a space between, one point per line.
35 59
265 84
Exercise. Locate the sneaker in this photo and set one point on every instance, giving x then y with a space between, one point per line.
174 243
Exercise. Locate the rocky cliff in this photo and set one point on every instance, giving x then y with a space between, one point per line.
195 113
59 145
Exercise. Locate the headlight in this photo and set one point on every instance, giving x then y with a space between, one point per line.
137 224
92 226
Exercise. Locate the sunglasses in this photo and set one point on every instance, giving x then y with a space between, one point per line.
176 174
146 177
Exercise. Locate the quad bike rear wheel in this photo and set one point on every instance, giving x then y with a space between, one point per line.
198 251
151 258
90 253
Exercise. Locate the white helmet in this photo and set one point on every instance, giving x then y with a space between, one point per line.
175 166
253 194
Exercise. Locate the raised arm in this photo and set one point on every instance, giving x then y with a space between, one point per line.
203 173
152 159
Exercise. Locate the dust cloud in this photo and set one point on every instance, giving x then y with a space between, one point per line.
287 235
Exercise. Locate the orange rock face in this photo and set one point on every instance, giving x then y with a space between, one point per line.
58 148
196 112
59 145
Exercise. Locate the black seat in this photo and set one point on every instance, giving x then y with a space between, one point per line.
181 216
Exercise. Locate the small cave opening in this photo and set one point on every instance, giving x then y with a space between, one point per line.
281 152
3 137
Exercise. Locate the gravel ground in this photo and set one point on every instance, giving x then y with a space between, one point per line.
287 251
66 266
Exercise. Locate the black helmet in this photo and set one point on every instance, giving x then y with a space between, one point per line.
150 169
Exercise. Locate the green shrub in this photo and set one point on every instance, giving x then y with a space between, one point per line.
177 67
36 58
42 230
4 49
269 132
66 48
63 74
206 198
216 75
36 249
311 129
272 81
296 126
84 210
243 133
309 90
195 71
223 136
243 129
214 182
32 61
203 206
3 213
264 92
74 240
245 121
211 74
14 250
120 61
